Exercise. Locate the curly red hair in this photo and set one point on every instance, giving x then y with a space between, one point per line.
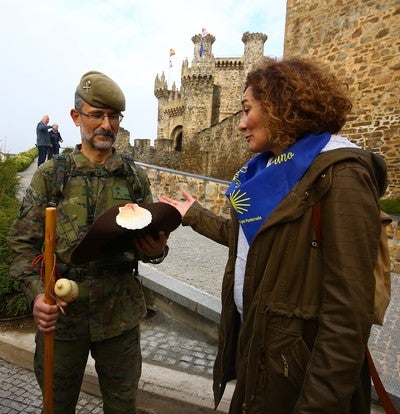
299 96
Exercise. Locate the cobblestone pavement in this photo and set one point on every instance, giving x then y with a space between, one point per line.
19 393
164 341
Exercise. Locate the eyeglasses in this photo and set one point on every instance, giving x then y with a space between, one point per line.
98 117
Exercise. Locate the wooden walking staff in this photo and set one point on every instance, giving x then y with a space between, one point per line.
49 281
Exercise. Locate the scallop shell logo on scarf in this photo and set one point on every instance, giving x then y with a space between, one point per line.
239 201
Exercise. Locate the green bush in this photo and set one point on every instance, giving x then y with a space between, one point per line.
24 159
12 300
391 206
67 150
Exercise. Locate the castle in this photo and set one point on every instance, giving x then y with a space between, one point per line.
197 125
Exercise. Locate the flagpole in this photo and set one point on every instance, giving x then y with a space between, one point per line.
171 53
169 71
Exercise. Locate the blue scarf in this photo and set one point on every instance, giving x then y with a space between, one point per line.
256 190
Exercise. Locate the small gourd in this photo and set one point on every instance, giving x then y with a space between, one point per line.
66 289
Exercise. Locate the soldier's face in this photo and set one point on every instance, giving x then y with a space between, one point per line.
98 135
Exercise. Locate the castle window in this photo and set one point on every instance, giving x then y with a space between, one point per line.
178 142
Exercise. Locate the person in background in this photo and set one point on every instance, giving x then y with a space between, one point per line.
104 319
55 139
43 142
296 313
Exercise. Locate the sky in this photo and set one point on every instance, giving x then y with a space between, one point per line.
47 45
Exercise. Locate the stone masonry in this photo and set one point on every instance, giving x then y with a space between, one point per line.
359 40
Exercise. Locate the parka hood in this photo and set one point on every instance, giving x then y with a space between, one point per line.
373 162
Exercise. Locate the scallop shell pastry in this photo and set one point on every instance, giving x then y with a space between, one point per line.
133 217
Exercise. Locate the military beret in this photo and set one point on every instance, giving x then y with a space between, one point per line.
100 91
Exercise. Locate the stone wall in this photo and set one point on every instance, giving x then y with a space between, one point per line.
360 41
209 192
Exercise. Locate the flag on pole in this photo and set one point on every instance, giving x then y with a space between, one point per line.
204 32
201 50
171 53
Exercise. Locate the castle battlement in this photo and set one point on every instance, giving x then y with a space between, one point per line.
229 63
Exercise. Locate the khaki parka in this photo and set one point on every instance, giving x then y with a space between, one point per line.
307 306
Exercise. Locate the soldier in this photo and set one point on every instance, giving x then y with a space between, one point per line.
105 318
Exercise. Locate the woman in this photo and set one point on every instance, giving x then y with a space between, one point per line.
296 310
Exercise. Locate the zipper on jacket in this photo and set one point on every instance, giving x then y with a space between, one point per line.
285 366
262 370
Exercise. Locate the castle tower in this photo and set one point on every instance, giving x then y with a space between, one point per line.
161 93
203 59
198 88
253 48
202 116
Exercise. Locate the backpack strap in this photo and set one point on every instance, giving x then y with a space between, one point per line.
379 387
61 171
132 179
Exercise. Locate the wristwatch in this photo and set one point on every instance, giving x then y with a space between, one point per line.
158 260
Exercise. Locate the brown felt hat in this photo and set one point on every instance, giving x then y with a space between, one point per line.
105 237
100 91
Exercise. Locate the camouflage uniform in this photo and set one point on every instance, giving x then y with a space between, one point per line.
105 317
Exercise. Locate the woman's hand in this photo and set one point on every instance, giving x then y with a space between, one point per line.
181 206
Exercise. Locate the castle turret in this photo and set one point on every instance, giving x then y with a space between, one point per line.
253 48
203 59
185 68
198 87
161 92
160 87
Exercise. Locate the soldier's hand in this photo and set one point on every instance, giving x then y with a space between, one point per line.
44 315
149 246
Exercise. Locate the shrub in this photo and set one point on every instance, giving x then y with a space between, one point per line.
24 159
67 150
391 206
12 300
